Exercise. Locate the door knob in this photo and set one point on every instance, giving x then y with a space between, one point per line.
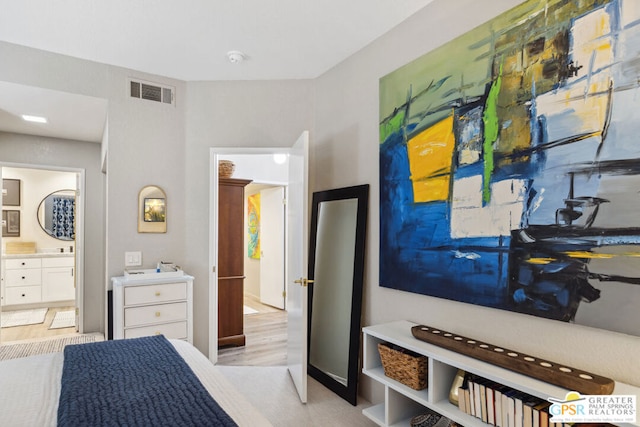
303 281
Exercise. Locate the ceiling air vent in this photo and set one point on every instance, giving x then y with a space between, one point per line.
152 92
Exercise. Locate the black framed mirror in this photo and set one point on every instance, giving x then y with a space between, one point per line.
56 214
336 267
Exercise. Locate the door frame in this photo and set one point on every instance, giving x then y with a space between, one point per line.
214 156
79 242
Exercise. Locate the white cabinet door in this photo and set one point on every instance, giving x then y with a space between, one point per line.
58 284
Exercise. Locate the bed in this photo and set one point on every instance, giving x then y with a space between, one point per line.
30 388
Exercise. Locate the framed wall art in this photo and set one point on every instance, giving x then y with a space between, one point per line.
10 223
10 192
152 210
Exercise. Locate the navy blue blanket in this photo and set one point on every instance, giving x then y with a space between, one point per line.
134 382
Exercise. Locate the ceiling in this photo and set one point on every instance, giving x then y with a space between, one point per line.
186 40
69 116
189 40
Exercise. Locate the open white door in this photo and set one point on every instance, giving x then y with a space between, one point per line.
272 247
297 248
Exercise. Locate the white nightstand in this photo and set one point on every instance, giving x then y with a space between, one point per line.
153 304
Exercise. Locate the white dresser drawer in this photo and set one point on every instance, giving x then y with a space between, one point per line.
150 294
23 277
23 295
145 315
177 330
66 261
11 264
147 304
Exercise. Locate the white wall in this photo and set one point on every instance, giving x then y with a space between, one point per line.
150 143
260 168
146 146
232 114
345 152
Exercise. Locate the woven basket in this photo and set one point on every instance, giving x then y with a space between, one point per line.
226 168
404 366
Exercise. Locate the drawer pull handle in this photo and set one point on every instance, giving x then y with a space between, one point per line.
157 293
23 277
24 295
157 314
23 263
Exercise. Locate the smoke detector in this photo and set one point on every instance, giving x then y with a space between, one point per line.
235 56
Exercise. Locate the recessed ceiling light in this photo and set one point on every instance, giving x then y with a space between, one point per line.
35 119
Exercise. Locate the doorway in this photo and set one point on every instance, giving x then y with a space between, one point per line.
297 178
264 315
263 253
41 270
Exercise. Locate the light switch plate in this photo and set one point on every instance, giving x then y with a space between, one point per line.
132 259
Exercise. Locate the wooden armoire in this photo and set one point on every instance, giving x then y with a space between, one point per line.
231 255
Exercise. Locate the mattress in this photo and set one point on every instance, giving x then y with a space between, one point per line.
30 387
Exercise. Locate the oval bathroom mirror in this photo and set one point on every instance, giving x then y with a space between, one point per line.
56 214
336 266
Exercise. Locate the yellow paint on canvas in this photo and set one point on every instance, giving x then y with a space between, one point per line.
585 254
430 154
541 261
431 189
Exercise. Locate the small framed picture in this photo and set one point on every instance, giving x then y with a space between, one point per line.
10 223
11 192
154 210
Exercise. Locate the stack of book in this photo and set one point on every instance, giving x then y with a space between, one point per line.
502 406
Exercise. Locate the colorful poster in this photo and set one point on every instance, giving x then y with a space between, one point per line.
253 221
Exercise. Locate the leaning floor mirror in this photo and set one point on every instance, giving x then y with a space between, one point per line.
336 267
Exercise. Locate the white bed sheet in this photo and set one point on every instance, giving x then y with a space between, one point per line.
30 387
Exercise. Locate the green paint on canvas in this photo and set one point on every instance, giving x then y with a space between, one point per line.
491 128
392 125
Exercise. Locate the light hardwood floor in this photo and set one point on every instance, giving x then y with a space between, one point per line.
266 338
38 331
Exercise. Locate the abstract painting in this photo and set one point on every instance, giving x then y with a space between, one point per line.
510 165
253 225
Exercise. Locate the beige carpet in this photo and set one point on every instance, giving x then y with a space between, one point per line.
49 345
272 392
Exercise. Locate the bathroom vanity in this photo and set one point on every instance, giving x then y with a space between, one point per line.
40 278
